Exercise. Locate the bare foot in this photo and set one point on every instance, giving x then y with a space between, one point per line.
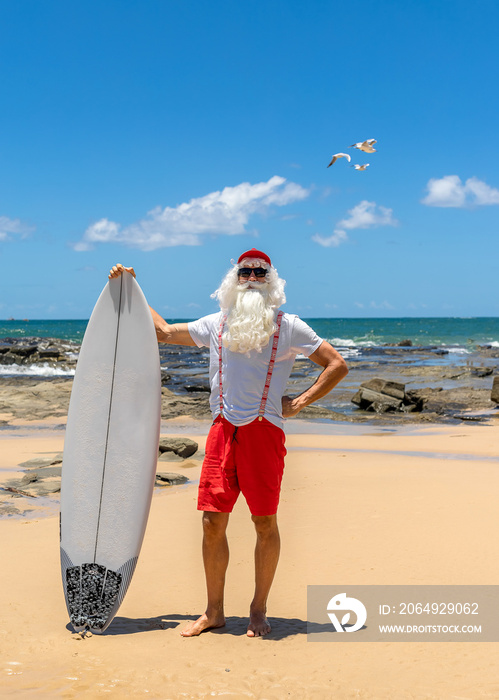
202 624
258 625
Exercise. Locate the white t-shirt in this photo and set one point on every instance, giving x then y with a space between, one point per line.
243 377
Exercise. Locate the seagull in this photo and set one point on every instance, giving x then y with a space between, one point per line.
366 146
339 155
360 167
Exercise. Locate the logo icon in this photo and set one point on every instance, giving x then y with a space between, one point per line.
340 603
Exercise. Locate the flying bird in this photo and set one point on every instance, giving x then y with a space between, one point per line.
360 167
339 155
366 146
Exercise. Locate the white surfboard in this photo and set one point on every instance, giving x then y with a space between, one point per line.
110 454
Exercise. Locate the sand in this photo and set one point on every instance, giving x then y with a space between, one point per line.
358 507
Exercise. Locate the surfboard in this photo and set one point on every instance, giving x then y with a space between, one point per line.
110 454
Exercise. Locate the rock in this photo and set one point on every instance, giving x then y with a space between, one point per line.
368 396
7 509
380 396
29 479
47 472
410 408
357 398
495 390
46 487
481 371
35 485
379 407
195 405
170 479
24 350
385 387
49 353
404 344
473 419
416 399
184 447
38 350
196 387
41 462
170 457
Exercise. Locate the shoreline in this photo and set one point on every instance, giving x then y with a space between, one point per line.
43 442
364 505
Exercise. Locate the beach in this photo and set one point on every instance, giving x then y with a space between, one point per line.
360 505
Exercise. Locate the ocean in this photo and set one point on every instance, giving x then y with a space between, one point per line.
440 351
453 333
452 340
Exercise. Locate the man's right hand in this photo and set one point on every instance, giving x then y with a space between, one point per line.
118 269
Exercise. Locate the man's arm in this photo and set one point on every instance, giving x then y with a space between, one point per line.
174 334
335 369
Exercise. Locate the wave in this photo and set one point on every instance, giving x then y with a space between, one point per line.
44 370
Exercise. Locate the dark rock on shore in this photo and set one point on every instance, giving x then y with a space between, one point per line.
32 399
174 405
55 352
447 386
170 479
8 509
381 396
40 479
43 475
495 390
183 447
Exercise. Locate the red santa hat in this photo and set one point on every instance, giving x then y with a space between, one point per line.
254 253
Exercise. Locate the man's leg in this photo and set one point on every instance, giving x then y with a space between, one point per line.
216 559
268 545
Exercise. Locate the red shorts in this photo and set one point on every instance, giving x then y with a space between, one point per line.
248 458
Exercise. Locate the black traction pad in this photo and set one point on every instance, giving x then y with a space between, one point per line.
92 591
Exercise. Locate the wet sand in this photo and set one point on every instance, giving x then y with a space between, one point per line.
359 506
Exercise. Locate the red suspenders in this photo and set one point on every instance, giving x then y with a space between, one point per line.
269 371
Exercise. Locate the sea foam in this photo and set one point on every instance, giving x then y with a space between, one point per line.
44 370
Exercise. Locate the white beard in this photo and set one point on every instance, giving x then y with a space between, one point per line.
250 321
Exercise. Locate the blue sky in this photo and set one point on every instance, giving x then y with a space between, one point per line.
172 136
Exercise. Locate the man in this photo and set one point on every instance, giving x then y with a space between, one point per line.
252 349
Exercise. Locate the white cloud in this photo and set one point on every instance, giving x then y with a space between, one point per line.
381 305
226 212
10 226
449 191
363 215
331 241
367 215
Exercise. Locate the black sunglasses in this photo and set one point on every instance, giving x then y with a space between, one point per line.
246 271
